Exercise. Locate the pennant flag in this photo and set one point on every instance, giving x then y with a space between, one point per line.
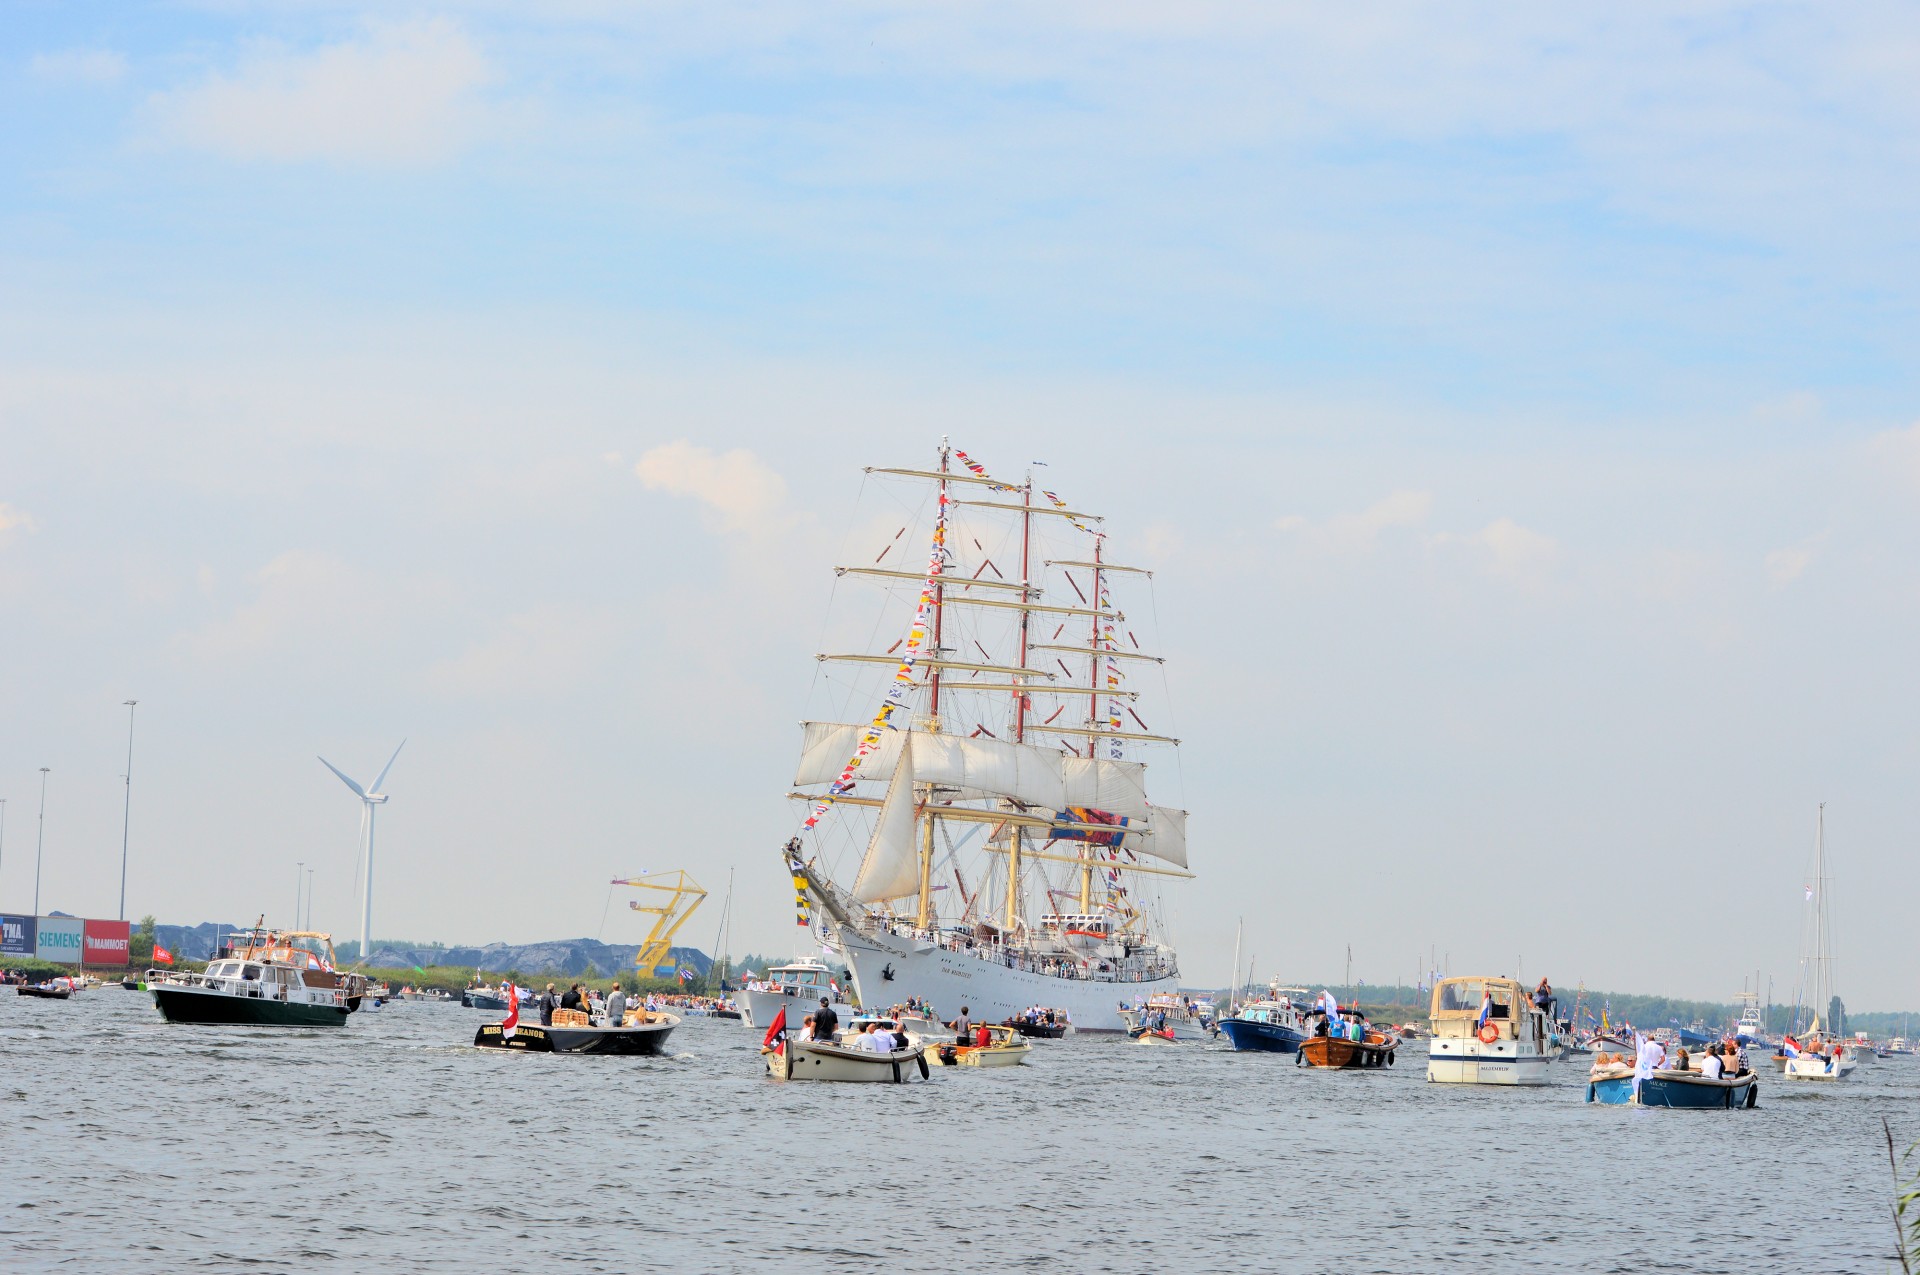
512 1022
776 1037
161 956
686 975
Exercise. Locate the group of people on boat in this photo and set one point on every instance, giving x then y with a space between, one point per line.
875 1035
1723 1059
1352 1024
1039 1016
1131 967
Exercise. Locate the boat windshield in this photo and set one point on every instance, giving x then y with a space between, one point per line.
251 972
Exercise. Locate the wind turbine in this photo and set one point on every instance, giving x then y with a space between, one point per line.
370 797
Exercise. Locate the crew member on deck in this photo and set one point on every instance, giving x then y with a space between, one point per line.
824 1020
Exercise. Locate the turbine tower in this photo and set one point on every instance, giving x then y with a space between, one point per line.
370 797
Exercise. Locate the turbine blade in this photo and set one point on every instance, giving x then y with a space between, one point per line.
343 779
389 766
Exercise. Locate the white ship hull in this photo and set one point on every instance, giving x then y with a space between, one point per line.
758 1009
1467 1061
1807 1068
888 968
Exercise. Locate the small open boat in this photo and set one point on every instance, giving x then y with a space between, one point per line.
1004 1048
639 1034
1048 1024
1611 1084
1365 1046
796 1059
57 989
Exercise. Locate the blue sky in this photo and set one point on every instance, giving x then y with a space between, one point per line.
1519 411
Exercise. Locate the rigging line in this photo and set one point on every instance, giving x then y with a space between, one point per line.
600 935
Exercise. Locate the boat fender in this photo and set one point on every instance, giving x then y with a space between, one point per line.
896 1070
1489 1033
1753 1095
1389 1058
923 1065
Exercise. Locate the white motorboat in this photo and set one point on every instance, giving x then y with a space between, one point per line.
797 1059
1005 1047
1008 708
276 979
1488 1031
1167 1015
795 987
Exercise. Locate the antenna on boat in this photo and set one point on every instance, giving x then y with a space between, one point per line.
370 797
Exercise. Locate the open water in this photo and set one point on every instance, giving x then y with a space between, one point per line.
128 1144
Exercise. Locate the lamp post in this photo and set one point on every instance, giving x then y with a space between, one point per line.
126 814
309 924
3 831
40 841
299 879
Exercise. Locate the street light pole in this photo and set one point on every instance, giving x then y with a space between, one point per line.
3 831
299 879
309 924
40 841
126 815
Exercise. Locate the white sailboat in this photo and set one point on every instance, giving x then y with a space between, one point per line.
996 847
1817 1059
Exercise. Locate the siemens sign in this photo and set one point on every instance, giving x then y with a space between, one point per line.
59 938
16 936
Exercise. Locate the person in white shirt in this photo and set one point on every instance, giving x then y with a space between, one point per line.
1712 1068
880 1040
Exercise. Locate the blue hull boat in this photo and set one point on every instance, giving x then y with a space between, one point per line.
1272 1038
1677 1090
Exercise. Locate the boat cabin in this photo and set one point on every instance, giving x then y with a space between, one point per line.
1512 1014
808 979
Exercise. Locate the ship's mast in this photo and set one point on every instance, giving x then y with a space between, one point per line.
1020 696
924 914
1822 971
1094 717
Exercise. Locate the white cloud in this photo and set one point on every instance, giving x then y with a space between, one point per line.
1358 532
741 493
297 592
78 66
1517 553
1784 566
402 94
540 652
1898 450
14 519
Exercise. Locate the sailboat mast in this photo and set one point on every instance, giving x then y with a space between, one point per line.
1822 974
1020 696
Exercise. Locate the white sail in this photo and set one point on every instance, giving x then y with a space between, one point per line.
826 746
892 864
1169 839
1119 787
1033 774
992 767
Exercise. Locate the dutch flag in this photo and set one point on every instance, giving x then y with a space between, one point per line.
1791 1046
1486 1008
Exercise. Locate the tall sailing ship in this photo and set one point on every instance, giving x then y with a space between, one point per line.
977 829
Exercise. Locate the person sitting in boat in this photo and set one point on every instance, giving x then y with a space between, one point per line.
982 1037
858 1037
1712 1067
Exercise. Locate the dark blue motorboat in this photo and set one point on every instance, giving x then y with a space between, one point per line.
1273 1027
1681 1089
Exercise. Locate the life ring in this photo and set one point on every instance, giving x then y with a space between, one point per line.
1489 1033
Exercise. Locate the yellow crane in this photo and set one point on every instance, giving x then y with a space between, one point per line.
655 957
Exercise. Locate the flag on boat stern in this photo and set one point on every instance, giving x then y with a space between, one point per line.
776 1038
1791 1046
512 1022
1486 1009
161 956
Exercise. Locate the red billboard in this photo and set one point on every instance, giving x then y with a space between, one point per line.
107 943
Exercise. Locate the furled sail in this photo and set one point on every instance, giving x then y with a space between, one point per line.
892 864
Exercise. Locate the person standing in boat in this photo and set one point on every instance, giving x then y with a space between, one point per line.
1543 998
616 1005
962 1033
548 1003
824 1020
